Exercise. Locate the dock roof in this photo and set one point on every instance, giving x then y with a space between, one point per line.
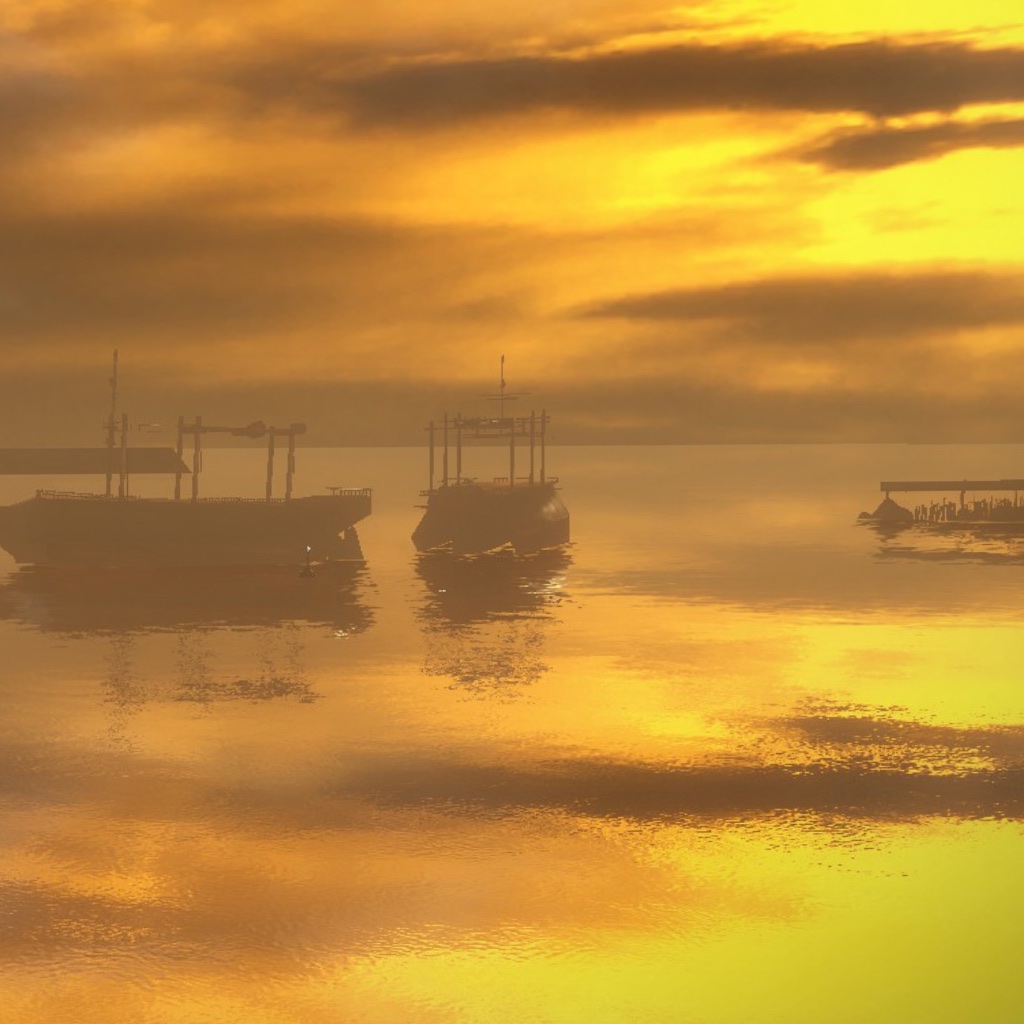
952 485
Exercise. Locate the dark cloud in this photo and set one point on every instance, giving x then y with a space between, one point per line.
36 104
65 403
875 149
187 271
820 310
877 77
889 405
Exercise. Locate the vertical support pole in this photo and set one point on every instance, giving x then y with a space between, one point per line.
112 427
532 442
271 435
122 482
512 454
431 429
197 457
444 460
543 442
181 451
290 470
458 448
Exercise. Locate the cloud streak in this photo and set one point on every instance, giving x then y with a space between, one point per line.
877 149
819 310
877 77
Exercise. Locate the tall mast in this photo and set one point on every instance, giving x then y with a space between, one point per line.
112 427
501 389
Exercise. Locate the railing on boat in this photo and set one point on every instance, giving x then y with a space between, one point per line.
352 492
468 481
345 492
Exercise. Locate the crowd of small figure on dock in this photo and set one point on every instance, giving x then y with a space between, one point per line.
969 510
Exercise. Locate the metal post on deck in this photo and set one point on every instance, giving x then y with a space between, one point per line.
431 429
532 436
444 461
543 441
112 427
181 451
197 457
122 483
512 455
271 435
290 468
458 448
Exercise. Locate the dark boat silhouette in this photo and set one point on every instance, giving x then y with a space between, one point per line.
465 515
55 528
988 513
68 528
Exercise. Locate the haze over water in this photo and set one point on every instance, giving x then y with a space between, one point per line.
729 757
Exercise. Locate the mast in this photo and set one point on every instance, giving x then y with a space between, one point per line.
501 389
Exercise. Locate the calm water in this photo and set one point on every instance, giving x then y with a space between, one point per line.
729 758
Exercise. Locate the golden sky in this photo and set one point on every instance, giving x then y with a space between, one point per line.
702 221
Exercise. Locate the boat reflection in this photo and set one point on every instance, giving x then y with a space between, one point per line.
268 666
967 546
484 617
86 600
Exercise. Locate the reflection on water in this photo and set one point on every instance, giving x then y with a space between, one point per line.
86 600
278 672
484 616
763 765
948 546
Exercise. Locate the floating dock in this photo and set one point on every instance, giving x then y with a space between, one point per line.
970 510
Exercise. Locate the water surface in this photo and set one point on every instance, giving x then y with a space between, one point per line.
729 757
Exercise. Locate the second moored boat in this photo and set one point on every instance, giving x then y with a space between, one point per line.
465 515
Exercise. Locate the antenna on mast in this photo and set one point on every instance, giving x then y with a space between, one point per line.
502 394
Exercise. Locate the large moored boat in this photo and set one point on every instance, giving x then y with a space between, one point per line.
69 528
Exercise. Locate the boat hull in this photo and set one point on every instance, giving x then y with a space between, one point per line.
470 518
57 529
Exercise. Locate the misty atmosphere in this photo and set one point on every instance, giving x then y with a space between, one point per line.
511 513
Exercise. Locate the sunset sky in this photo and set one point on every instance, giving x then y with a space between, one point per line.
722 221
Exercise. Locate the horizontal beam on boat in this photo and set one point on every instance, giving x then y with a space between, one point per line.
951 485
61 461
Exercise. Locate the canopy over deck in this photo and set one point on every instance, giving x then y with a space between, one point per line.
60 461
